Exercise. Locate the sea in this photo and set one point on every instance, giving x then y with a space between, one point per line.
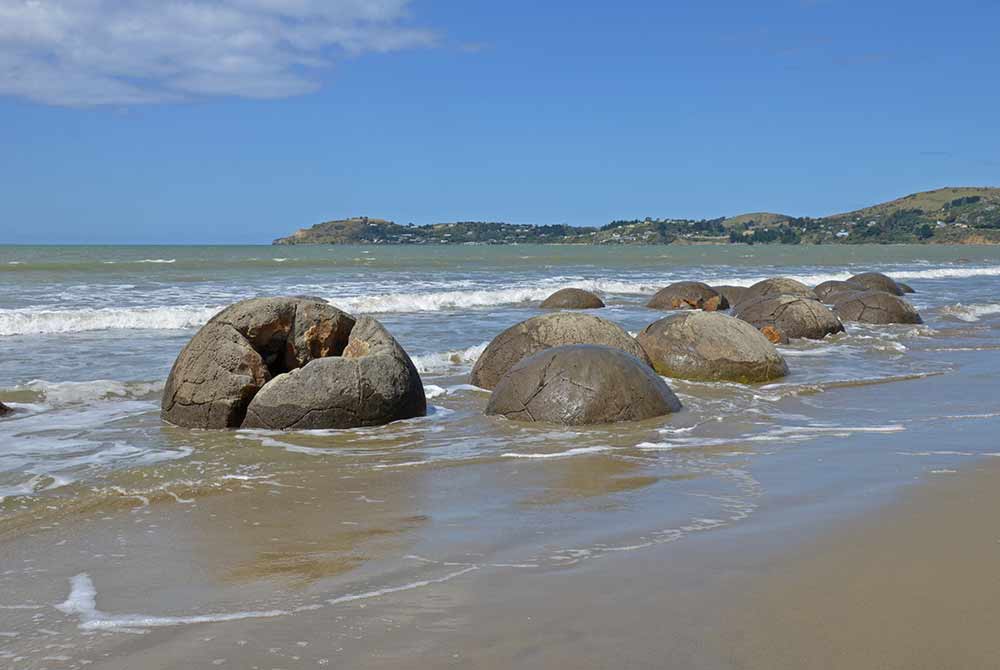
119 532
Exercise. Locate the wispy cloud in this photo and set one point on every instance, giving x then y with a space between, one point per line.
125 52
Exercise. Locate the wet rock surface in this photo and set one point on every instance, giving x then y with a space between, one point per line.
777 286
543 332
580 385
876 281
876 307
792 316
711 346
688 295
572 298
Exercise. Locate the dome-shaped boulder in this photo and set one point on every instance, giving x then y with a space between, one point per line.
876 281
543 332
372 382
711 346
688 295
793 316
777 286
582 384
827 289
876 307
572 298
732 294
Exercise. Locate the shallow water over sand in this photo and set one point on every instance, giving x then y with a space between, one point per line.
117 530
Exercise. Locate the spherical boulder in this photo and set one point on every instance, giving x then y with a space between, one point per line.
711 346
372 382
905 288
582 384
793 316
732 294
572 298
543 332
827 289
777 286
688 295
876 281
876 307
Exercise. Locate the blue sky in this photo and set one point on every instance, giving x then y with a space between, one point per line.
121 122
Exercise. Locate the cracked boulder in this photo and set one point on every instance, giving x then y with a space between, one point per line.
790 316
244 347
829 291
876 307
732 294
582 384
371 383
713 347
876 281
777 286
572 298
544 332
688 295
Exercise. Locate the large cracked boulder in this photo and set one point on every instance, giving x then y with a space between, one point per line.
733 294
876 281
371 383
582 384
544 332
711 346
244 347
876 307
828 291
572 298
688 295
777 286
791 316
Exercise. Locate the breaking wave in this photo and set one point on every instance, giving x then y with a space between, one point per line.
970 313
38 322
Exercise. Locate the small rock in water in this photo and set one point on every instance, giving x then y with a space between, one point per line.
4 410
582 384
688 295
572 298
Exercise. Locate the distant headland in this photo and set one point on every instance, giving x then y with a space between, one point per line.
959 215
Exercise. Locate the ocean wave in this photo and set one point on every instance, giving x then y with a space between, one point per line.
25 321
73 393
970 313
442 361
578 451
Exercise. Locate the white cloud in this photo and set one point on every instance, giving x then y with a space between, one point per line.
95 52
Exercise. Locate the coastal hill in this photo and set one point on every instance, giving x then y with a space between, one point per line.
947 215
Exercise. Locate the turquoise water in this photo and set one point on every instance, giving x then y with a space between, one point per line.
88 335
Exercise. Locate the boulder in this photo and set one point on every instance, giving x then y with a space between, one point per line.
732 294
777 286
793 316
688 295
827 289
876 281
876 307
582 384
543 332
572 298
711 346
242 348
4 410
372 382
905 288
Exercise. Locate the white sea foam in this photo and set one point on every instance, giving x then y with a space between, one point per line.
26 321
971 313
156 260
443 360
578 451
82 602
70 393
